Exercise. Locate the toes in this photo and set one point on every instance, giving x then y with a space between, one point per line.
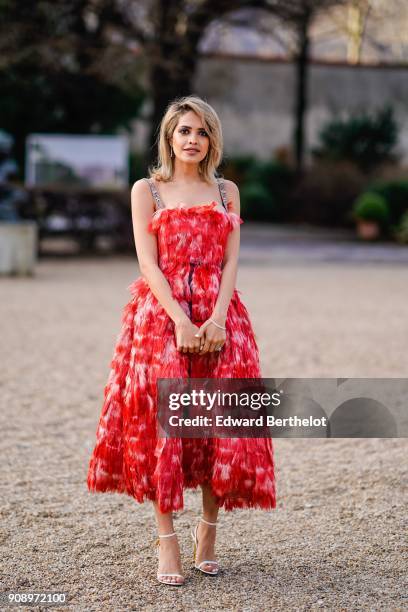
173 580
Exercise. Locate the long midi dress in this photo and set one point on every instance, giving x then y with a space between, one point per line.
129 457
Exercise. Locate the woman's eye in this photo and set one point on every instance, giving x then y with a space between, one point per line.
184 130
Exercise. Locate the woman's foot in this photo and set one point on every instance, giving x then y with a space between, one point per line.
169 560
206 546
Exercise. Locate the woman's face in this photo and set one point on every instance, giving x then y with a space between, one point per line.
190 141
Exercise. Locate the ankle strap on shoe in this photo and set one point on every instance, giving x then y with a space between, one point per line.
167 535
208 522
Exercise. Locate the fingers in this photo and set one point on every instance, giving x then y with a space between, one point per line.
203 341
195 348
211 347
205 347
192 347
186 343
202 329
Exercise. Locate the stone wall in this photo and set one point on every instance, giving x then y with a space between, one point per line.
255 99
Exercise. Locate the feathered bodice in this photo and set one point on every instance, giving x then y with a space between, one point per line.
196 234
191 244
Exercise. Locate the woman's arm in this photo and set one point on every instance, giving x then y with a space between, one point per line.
213 336
146 249
230 262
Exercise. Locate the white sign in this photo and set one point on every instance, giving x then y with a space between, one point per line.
77 160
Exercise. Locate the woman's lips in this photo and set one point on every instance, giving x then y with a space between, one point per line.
191 151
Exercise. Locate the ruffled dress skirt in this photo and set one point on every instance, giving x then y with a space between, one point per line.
129 457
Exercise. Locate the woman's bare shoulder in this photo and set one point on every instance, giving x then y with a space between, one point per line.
140 187
231 187
141 195
233 195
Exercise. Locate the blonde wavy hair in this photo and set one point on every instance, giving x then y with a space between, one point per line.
163 170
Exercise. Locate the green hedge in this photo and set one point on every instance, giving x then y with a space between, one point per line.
401 233
264 187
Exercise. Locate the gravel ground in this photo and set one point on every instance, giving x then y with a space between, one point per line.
335 541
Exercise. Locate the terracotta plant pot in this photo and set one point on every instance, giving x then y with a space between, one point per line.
368 230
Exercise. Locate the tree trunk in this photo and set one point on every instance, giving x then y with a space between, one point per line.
173 60
164 88
302 59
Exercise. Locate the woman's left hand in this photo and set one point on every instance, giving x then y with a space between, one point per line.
212 338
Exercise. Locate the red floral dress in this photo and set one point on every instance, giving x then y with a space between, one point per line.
128 456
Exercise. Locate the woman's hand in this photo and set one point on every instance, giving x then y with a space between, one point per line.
186 339
211 337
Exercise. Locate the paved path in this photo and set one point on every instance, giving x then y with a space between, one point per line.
285 244
335 540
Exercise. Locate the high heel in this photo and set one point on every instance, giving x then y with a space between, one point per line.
160 575
214 572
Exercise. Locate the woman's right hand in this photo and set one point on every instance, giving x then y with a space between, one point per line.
185 336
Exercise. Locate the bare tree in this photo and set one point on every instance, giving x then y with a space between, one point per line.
169 33
380 27
175 28
357 15
299 16
166 33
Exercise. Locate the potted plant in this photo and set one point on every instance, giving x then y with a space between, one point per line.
371 213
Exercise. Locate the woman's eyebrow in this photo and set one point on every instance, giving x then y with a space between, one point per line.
190 128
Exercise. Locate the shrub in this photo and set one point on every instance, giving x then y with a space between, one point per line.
371 207
136 166
326 192
365 140
257 203
401 233
396 195
236 168
264 185
277 179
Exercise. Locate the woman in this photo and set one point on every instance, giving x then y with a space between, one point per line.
185 319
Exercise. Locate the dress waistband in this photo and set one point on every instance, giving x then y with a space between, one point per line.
165 266
200 262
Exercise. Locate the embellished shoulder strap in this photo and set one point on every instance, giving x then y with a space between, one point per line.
223 192
156 196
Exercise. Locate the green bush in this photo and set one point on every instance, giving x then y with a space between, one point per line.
236 168
396 195
371 207
257 203
264 185
367 141
136 167
278 180
402 230
325 194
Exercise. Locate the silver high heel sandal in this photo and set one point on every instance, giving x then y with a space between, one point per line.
214 572
159 576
